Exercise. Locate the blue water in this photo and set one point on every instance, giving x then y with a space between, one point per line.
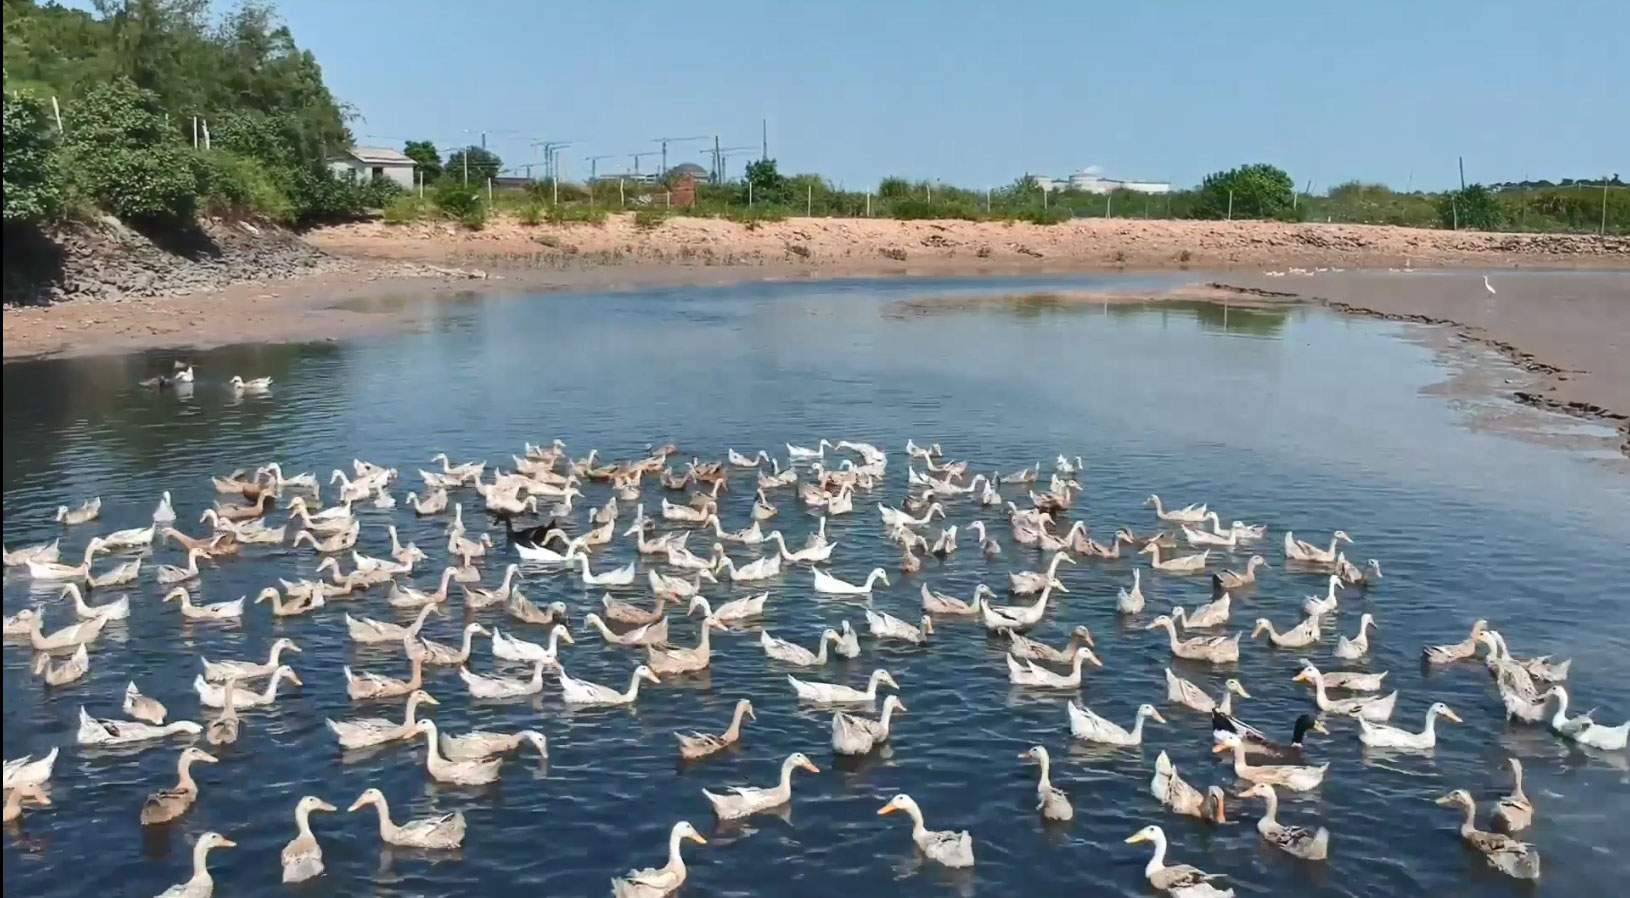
1291 417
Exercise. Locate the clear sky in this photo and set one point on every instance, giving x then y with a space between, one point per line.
977 93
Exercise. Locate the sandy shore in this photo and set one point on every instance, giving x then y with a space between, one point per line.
1570 331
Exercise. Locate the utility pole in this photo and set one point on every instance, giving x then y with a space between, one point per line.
764 138
667 140
1462 172
551 152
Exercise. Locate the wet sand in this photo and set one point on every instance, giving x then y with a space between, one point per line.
1570 330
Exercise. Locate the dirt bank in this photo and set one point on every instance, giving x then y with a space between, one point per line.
848 246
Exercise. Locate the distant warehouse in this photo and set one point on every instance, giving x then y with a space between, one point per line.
1091 180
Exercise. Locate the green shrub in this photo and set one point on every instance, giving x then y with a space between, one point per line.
460 203
405 209
377 193
33 181
123 157
236 185
319 195
530 215
1047 216
647 219
577 215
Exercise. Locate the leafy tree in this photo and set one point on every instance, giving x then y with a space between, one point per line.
483 164
1476 208
768 184
1259 191
893 189
121 155
426 160
33 182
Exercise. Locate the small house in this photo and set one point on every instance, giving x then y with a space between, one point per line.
367 163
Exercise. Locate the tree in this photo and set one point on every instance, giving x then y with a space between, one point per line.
483 164
426 160
33 182
1258 191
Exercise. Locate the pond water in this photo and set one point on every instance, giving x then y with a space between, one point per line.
1291 417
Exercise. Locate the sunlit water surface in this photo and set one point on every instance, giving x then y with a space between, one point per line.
1292 417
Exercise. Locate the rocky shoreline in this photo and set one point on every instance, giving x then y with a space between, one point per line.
108 260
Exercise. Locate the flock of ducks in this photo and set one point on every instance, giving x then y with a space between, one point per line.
1530 688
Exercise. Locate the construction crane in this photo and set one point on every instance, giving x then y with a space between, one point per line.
594 163
637 156
667 140
720 154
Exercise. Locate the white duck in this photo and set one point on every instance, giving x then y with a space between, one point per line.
1315 606
647 634
838 694
1359 646
1050 800
1027 673
886 626
214 611
657 882
758 569
29 770
1130 601
201 885
1013 617
1376 709
1307 553
367 630
856 735
623 576
731 612
792 653
1188 514
1030 582
68 637
302 856
143 708
1181 564
953 849
1204 617
442 769
1380 735
439 653
1090 727
118 609
487 686
1583 729
1303 634
213 695
581 692
511 648
97 731
744 801
829 585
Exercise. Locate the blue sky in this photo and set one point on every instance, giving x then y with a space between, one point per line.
979 93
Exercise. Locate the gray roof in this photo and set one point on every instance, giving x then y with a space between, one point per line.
378 156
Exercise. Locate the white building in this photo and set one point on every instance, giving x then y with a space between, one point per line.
1092 180
365 163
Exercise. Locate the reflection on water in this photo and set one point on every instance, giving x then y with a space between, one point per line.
1290 417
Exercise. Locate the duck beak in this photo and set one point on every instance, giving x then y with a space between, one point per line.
810 767
228 843
1449 713
325 806
1098 663
1219 748
886 809
1135 837
697 838
1300 677
354 805
1444 799
1320 728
